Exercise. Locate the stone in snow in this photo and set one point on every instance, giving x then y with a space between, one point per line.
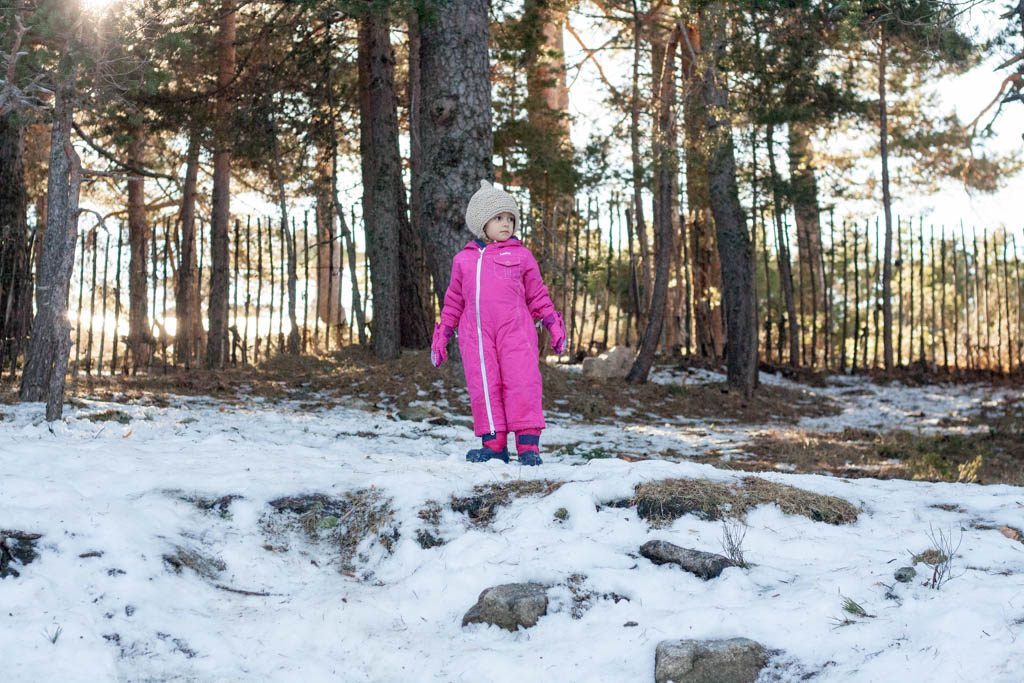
705 565
509 606
737 660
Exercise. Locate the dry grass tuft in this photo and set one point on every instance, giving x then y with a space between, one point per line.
661 502
482 504
795 501
342 522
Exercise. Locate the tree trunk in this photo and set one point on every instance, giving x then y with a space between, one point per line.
417 314
216 345
186 294
706 267
289 239
455 127
665 164
384 204
883 124
782 254
15 271
808 226
734 244
47 358
637 163
140 338
549 174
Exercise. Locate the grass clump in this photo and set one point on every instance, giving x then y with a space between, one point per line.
661 502
111 415
343 522
481 505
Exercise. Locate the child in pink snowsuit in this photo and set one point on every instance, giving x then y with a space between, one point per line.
494 298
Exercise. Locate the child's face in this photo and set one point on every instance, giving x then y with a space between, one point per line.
500 228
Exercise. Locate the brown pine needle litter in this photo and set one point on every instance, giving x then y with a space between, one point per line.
661 502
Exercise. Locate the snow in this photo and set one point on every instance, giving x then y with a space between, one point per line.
118 489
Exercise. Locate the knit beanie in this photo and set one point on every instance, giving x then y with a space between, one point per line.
487 203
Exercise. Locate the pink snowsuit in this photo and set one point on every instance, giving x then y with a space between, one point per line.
494 298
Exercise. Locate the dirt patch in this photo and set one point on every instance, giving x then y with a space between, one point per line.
429 536
482 504
341 522
16 547
353 373
661 502
991 456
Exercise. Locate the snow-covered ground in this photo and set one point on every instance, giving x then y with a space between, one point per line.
121 489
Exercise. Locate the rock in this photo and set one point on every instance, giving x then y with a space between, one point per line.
612 364
423 413
737 660
905 574
205 565
705 565
509 606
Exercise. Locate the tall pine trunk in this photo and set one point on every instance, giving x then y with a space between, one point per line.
883 124
455 126
216 344
15 272
46 362
549 174
807 210
329 307
782 254
705 265
289 239
140 338
417 309
637 166
665 165
734 245
187 335
384 206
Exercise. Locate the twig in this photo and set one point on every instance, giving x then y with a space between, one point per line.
242 591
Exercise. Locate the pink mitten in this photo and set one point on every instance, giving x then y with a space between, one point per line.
556 328
439 345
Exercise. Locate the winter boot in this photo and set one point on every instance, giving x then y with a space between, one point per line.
528 446
495 445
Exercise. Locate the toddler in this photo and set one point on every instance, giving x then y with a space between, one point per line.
493 299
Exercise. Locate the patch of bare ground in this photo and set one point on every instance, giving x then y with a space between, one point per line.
994 454
354 373
661 502
481 505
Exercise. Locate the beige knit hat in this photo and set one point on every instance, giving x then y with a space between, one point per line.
487 203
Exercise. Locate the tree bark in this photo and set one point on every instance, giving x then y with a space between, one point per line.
782 254
216 345
807 209
417 306
187 336
15 272
384 206
734 244
140 337
637 164
282 205
47 358
883 124
455 126
706 267
550 175
665 165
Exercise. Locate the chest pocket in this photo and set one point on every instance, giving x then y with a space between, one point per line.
508 267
